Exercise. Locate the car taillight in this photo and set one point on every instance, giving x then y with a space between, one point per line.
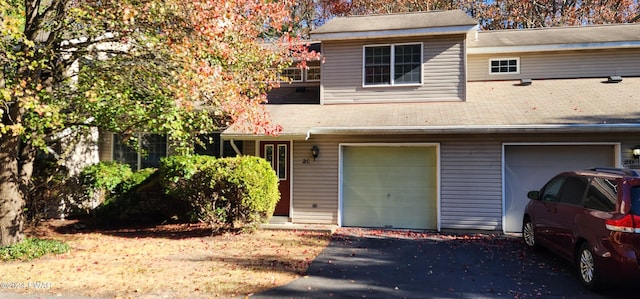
627 224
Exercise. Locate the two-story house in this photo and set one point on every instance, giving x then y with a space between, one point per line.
422 121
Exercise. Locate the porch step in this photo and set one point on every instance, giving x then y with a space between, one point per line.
284 223
279 219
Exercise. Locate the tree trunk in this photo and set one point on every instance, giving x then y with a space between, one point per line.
11 199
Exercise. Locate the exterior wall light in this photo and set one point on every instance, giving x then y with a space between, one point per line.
636 152
315 151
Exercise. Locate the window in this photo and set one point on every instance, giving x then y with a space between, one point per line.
277 160
313 73
392 65
211 146
293 73
573 190
504 66
601 195
551 190
153 147
635 200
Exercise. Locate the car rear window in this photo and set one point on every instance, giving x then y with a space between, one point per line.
573 190
635 200
602 195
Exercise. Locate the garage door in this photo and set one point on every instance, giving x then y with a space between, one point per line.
528 167
389 186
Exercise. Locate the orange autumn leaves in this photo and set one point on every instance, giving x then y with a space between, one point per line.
229 53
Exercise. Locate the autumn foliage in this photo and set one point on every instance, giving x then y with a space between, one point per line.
180 68
498 14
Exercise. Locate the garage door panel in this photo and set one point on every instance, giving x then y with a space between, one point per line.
389 187
391 218
390 198
379 156
528 167
388 177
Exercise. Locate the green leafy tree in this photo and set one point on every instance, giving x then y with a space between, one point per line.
174 67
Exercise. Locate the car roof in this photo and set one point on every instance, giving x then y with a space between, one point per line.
611 172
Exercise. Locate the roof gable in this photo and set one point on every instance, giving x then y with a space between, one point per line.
392 25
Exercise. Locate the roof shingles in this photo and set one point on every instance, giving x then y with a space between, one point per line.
496 103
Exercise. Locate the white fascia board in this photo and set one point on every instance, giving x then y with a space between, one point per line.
554 47
437 130
478 129
392 33
251 136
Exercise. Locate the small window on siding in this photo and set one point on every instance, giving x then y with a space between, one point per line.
293 74
392 65
504 66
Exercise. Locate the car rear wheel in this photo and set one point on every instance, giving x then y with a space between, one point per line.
528 234
587 271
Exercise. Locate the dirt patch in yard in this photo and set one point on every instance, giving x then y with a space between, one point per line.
172 261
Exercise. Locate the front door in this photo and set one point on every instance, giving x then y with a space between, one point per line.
277 153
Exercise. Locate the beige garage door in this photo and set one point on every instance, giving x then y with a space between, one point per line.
528 167
389 186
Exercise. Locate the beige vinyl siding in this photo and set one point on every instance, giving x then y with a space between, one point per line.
105 146
315 184
560 64
249 147
471 192
470 174
442 71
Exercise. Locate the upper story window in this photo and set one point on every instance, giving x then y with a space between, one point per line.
398 64
312 73
504 66
293 74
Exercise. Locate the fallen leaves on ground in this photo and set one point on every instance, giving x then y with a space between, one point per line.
179 260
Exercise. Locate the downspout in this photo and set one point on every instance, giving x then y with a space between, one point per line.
235 147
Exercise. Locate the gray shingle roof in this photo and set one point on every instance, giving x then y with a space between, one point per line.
409 23
556 105
602 35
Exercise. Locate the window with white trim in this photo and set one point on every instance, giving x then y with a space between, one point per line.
396 64
312 74
152 146
292 74
295 74
504 66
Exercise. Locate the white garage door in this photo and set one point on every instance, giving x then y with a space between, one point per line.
389 186
528 167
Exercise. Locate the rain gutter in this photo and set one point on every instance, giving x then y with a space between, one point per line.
481 129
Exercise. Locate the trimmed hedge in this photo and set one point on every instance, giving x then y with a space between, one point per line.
226 192
104 176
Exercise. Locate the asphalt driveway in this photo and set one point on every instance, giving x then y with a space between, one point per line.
361 263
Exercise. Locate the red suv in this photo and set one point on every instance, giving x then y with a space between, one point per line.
591 218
